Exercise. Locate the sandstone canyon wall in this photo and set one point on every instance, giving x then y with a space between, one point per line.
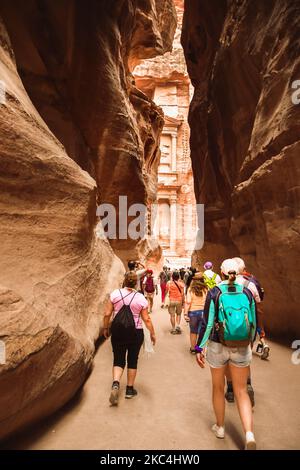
74 131
243 57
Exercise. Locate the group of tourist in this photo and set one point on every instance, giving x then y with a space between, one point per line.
224 315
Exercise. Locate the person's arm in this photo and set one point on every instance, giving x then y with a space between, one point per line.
140 273
260 320
183 296
259 311
148 323
206 327
187 305
107 315
155 285
254 310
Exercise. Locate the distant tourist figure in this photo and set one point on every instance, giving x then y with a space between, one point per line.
128 308
163 279
182 273
175 290
150 288
140 270
194 307
229 326
210 277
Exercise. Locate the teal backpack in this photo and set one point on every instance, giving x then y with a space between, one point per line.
236 315
210 282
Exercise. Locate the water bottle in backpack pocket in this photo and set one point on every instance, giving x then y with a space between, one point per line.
236 316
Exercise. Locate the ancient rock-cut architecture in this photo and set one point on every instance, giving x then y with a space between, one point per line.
243 57
74 132
165 80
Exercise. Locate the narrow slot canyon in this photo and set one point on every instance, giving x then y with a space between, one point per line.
173 105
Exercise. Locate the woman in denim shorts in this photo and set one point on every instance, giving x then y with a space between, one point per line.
194 307
219 356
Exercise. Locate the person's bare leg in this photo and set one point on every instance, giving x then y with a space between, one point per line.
172 318
117 373
239 380
218 381
131 375
178 320
193 338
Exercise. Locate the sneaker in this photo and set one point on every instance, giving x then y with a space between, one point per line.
192 351
178 330
130 392
114 396
250 441
173 332
251 394
229 395
265 352
219 431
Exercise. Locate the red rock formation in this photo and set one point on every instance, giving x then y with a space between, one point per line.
68 108
165 79
242 58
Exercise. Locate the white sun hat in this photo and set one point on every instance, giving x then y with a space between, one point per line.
229 265
241 264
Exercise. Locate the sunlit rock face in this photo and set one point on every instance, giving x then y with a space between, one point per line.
242 58
74 132
165 79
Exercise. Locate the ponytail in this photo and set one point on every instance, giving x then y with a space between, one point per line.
231 277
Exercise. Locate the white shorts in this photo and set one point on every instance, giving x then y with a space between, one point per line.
219 355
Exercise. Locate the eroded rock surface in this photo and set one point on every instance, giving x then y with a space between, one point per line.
74 131
243 57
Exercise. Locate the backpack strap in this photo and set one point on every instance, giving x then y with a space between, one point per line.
132 299
122 298
178 287
214 277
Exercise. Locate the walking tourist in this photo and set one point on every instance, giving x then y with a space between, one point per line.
229 335
211 278
150 288
194 306
128 308
163 279
175 290
248 280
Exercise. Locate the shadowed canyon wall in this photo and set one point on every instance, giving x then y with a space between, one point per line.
74 132
243 57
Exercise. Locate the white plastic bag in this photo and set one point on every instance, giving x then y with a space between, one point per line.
148 346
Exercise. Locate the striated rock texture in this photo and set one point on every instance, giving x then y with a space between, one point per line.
67 108
75 63
243 57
